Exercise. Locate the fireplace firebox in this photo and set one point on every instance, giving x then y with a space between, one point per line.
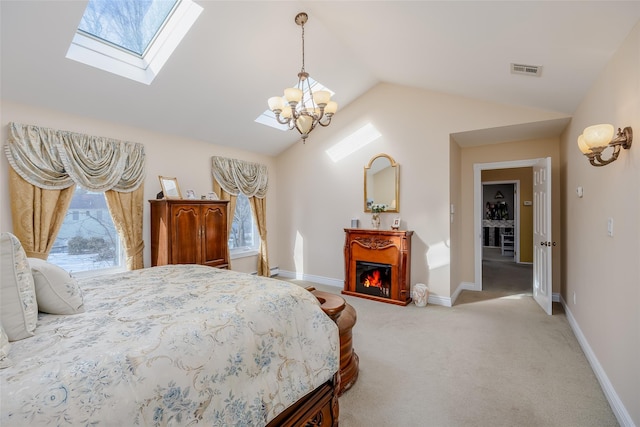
378 265
373 278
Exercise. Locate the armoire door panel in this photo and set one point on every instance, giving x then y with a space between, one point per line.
214 240
186 235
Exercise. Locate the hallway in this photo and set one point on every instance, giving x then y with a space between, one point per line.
502 274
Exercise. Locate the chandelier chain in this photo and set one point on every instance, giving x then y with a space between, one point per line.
302 25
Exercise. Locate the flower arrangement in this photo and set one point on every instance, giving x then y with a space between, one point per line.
378 207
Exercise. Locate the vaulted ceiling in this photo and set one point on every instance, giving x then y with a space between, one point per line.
239 53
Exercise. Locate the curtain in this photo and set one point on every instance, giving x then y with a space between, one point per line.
127 213
259 208
37 214
51 162
232 177
237 176
231 208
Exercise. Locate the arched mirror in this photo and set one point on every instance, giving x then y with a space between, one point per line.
382 183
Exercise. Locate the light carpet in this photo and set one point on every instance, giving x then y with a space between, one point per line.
496 361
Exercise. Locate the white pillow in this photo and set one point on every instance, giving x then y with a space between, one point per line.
18 305
5 362
56 291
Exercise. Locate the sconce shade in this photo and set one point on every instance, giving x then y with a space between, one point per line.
583 145
598 135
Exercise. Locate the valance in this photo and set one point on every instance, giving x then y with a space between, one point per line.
238 176
54 159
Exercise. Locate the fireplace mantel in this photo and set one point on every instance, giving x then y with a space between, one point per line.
384 256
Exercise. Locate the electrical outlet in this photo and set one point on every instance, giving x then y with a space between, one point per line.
610 227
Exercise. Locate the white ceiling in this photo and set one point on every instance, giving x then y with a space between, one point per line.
239 53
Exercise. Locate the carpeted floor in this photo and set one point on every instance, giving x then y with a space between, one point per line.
486 361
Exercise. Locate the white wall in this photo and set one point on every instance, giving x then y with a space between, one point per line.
317 197
604 272
188 160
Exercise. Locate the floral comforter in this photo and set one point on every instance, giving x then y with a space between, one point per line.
172 345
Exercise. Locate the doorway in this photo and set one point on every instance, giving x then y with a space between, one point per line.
539 208
502 272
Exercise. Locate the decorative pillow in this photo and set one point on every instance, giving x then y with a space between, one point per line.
56 291
18 305
5 362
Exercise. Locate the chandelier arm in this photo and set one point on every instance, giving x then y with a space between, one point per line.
280 120
326 123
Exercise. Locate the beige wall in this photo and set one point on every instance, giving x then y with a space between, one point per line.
505 152
604 272
525 176
455 197
188 160
318 197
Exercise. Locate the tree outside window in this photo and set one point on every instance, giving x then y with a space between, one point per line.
87 239
244 234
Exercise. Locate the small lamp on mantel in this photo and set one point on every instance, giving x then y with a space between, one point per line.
595 139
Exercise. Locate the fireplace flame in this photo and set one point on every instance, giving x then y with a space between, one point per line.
373 279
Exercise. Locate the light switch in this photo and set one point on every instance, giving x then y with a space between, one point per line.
579 192
610 227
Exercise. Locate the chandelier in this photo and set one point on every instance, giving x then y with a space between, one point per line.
301 108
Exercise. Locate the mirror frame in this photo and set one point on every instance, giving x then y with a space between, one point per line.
396 168
165 183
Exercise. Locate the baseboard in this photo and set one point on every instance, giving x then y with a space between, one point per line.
619 410
463 286
338 283
273 271
433 299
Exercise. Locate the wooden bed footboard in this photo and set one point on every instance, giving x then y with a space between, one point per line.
318 408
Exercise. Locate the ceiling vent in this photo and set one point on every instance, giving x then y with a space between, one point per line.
529 70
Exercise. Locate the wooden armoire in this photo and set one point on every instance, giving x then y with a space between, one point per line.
189 232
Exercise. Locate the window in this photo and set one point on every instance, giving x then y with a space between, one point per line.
130 25
86 242
244 239
132 38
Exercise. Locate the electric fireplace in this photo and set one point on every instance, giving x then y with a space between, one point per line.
378 265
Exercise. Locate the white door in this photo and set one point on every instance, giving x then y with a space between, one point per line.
542 243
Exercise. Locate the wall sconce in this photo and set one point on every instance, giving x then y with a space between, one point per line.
595 139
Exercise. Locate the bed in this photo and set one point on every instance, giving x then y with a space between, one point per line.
178 345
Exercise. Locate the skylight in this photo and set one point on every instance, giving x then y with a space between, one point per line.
132 38
269 119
